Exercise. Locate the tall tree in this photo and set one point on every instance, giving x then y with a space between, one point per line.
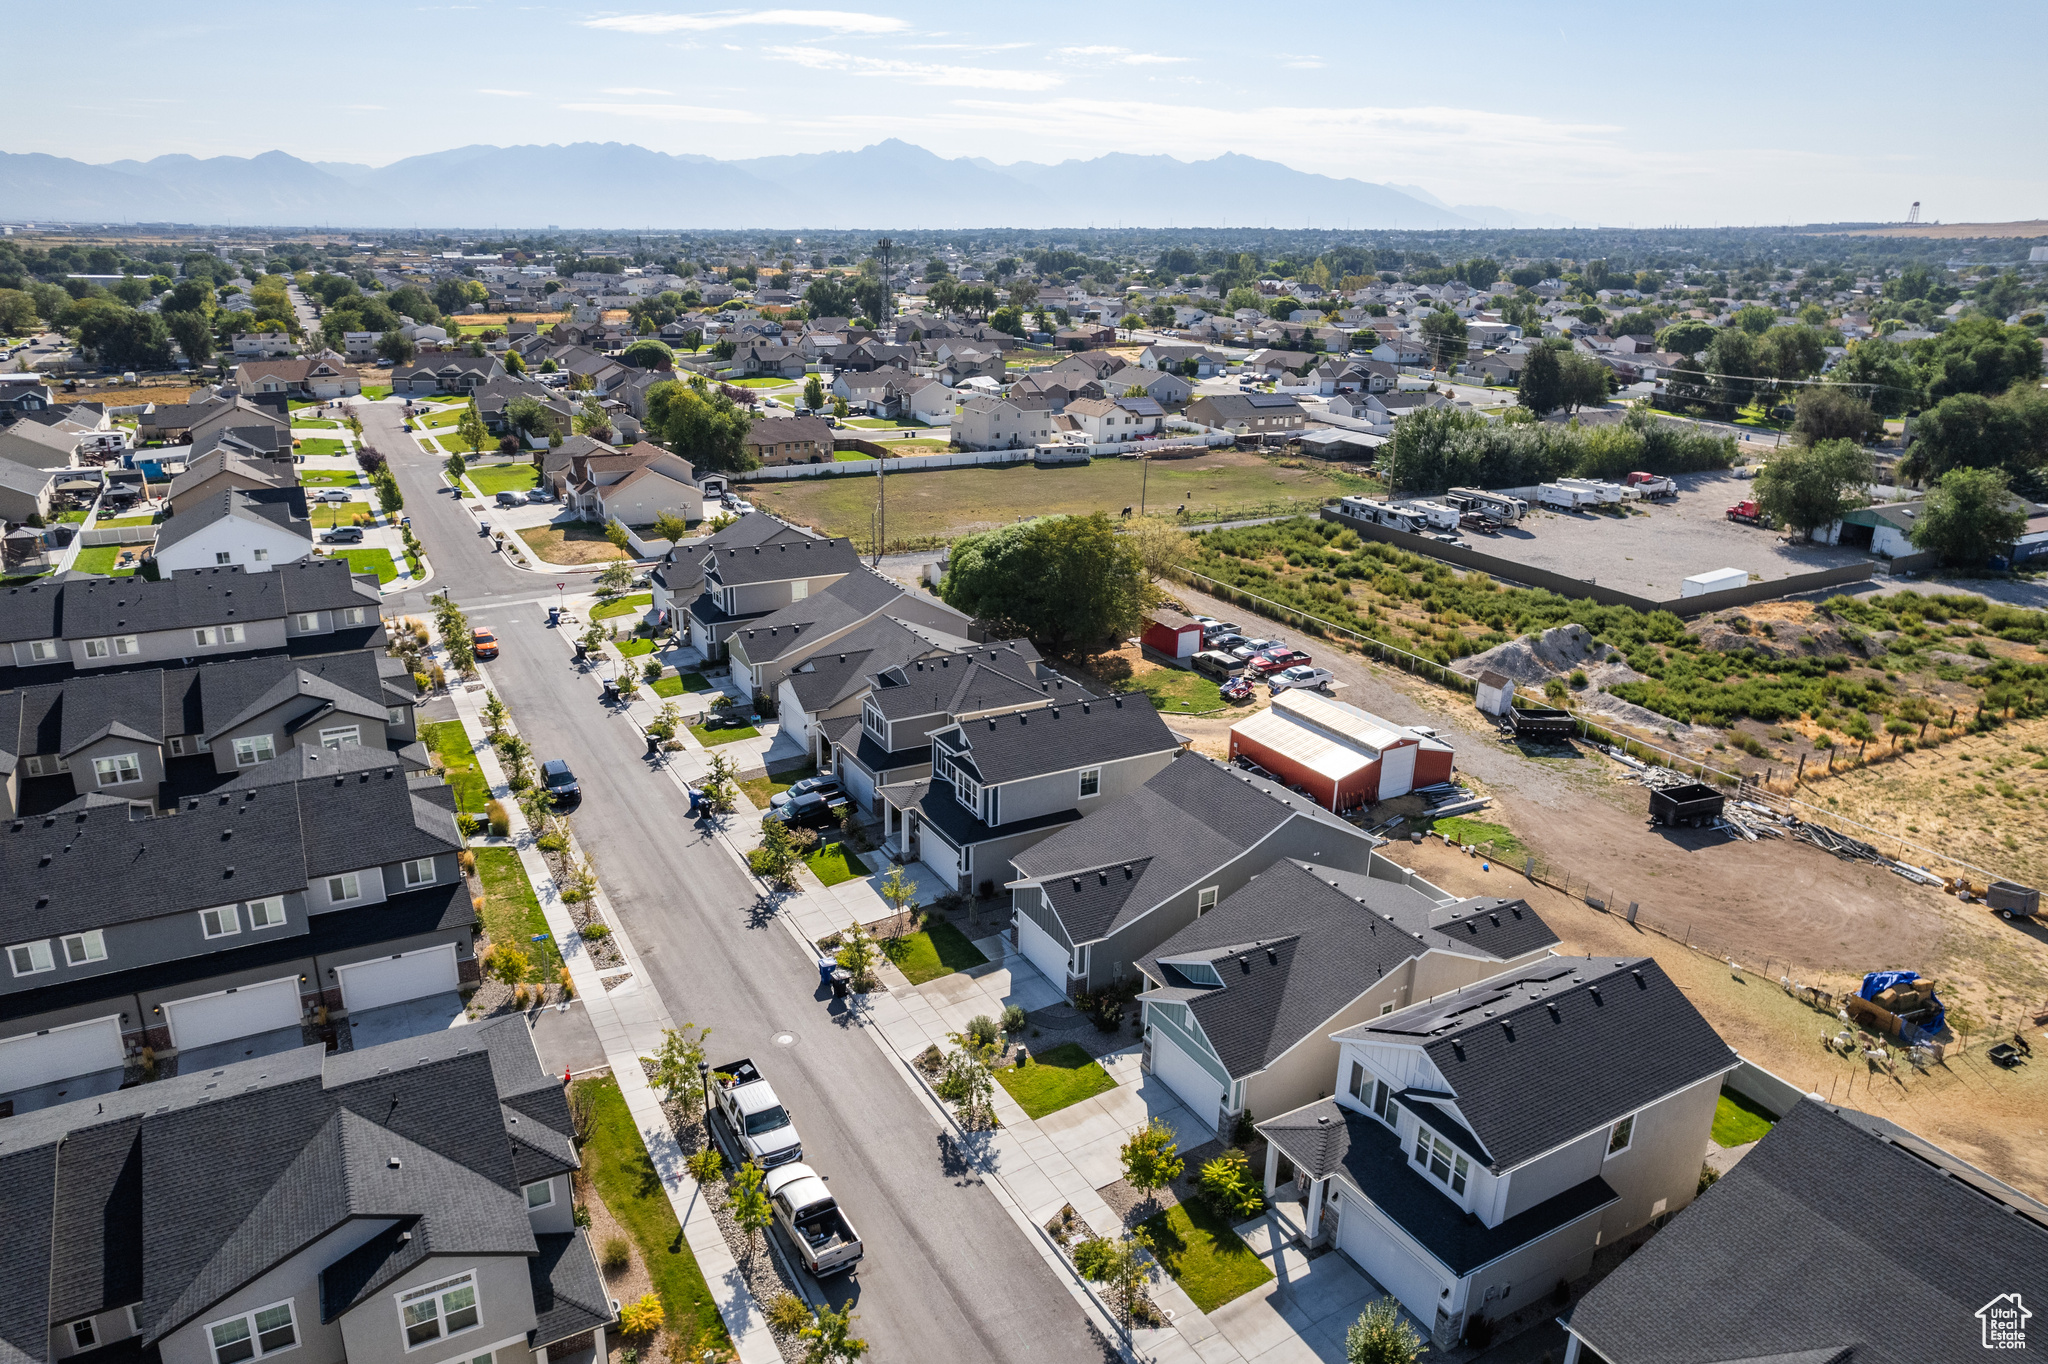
1832 412
1542 387
1978 355
1808 488
709 431
1968 430
1071 581
1970 516
1882 373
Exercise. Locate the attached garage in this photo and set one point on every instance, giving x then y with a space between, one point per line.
228 1014
1042 950
1186 1077
60 1053
935 852
393 980
1386 1256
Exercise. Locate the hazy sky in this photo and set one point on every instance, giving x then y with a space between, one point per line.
1643 114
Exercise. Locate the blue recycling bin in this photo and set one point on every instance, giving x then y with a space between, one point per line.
826 966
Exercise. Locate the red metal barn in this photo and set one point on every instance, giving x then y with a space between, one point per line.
1342 756
1173 635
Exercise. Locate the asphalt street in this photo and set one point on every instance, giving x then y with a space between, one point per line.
948 1276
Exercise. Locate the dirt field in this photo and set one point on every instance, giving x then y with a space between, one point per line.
943 503
167 393
571 545
1990 1117
2037 227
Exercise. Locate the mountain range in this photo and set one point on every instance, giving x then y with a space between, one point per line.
619 185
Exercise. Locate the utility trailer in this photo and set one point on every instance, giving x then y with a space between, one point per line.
1541 723
1693 804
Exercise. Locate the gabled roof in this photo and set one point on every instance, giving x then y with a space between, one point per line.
781 559
1840 1237
988 677
844 670
1539 1056
858 596
1060 738
281 508
1299 942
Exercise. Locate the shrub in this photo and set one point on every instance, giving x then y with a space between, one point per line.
552 842
1228 1185
641 1317
468 824
506 962
567 982
705 1165
788 1314
500 822
1013 1018
466 860
931 1060
618 1254
596 932
984 1030
1095 1257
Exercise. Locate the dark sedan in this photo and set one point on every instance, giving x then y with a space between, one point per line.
560 781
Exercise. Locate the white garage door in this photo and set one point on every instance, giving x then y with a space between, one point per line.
1185 1076
430 971
1042 950
1382 1254
241 1012
60 1054
942 857
1397 771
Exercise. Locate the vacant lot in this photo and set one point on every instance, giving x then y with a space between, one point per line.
572 544
944 503
492 479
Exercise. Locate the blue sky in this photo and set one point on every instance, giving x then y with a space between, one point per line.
1643 114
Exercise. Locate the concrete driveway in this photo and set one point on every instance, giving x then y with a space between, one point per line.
193 1060
410 1018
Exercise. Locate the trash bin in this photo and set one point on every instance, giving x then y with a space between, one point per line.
826 969
554 615
582 652
840 977
611 692
653 744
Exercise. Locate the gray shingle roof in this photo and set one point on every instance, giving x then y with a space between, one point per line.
568 1296
281 507
858 596
1298 943
682 568
783 558
1030 743
990 677
1840 1236
1554 1050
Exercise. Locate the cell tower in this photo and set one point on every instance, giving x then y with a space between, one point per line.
1913 213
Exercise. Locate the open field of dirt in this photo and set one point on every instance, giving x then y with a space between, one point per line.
2036 227
166 393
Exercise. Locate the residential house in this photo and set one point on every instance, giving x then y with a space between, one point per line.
1400 351
1277 364
222 468
493 397
1344 758
1090 365
822 696
1107 421
25 494
877 394
1481 1145
455 373
556 460
678 581
790 440
769 358
1161 387
930 402
748 572
170 421
634 486
242 412
986 423
1248 414
257 530
955 362
264 345
1174 357
362 1204
1794 1255
1054 392
322 375
264 443
1241 1005
21 394
33 445
765 649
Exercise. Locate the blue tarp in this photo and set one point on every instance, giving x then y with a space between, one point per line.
1877 982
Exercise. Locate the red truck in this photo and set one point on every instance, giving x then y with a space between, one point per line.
1749 514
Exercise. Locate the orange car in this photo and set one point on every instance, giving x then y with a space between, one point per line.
483 643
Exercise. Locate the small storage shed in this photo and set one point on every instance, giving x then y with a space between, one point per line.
1174 636
1720 580
1496 693
1341 756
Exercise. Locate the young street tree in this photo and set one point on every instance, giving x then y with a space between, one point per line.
1152 1158
1969 517
675 1066
750 1206
1807 488
471 429
829 1339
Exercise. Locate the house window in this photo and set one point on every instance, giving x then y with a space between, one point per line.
223 557
257 748
420 873
261 555
42 651
1383 1106
82 949
1205 900
799 589
205 634
541 1195
308 620
1360 1085
221 922
343 888
118 770
1091 782
253 1335
231 634
82 1335
447 1308
394 715
126 646
97 648
1444 1164
267 912
31 958
352 616
1624 1132
177 746
1386 1008
341 736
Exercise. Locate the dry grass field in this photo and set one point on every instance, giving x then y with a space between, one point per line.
2036 227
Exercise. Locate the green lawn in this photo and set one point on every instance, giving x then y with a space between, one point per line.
1738 1121
1056 1077
1210 1262
377 561
625 1178
100 559
833 863
123 523
638 603
296 403
939 950
492 479
923 443
376 393
318 423
848 456
1477 833
711 738
761 790
635 647
330 478
676 686
317 447
451 746
74 517
1171 689
511 912
437 420
763 382
885 423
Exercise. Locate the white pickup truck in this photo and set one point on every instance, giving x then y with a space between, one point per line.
811 1217
755 1119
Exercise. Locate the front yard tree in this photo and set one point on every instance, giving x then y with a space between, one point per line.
617 575
472 430
669 526
709 430
1969 517
830 1339
1152 1158
456 467
396 347
1070 581
1542 389
814 393
1808 488
750 1206
857 954
675 1066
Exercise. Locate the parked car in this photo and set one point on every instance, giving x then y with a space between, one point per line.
511 499
334 495
1321 679
1224 643
812 810
1217 664
754 1119
738 506
1279 659
1214 630
1237 689
560 781
483 642
824 786
342 535
810 1216
1252 648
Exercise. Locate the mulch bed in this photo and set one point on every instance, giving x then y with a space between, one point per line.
1057 1023
604 952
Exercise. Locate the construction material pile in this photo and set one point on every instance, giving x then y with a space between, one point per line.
1899 1004
1448 798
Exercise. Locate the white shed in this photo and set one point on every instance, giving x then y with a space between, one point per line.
1496 694
1720 580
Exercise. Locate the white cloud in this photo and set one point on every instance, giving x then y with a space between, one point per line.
1147 59
1090 51
963 47
916 73
1122 56
634 90
831 20
1305 64
667 113
509 94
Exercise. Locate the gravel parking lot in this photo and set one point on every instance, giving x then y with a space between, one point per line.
1659 544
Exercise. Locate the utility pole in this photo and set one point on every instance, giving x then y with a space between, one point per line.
883 248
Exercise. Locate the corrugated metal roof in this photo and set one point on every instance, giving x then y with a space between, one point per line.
1309 748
